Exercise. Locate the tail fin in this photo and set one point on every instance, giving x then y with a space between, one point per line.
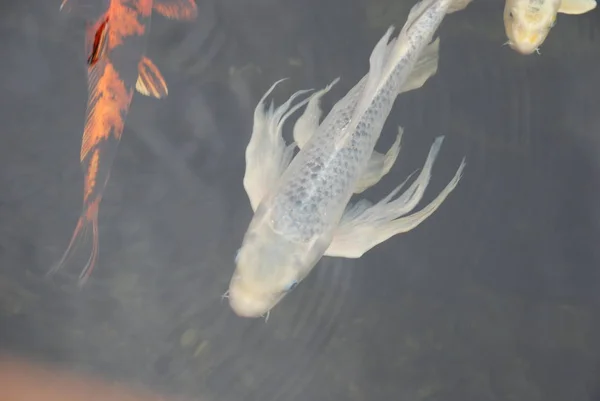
83 242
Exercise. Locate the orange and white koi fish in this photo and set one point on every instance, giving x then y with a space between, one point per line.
116 44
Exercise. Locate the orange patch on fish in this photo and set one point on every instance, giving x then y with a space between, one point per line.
109 99
125 20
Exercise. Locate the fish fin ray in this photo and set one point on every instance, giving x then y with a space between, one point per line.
267 155
367 227
379 165
84 239
425 67
150 81
108 102
90 135
575 7
177 9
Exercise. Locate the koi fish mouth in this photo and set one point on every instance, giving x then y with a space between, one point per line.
250 307
524 48
524 42
246 301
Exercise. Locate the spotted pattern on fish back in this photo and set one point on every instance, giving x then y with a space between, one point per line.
315 189
317 177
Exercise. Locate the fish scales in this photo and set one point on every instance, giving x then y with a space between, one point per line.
301 204
319 182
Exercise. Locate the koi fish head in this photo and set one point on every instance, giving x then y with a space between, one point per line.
268 267
528 22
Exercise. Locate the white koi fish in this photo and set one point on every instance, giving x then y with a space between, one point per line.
528 22
301 210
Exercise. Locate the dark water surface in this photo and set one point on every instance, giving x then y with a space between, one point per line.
494 297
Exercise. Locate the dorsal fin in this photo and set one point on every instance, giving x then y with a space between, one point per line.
377 63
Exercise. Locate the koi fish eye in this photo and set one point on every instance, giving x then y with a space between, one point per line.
293 284
510 15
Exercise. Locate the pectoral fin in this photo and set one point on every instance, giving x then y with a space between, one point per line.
267 155
364 226
425 67
576 6
150 81
308 123
379 165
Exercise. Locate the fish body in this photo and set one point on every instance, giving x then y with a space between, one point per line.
301 208
116 66
528 22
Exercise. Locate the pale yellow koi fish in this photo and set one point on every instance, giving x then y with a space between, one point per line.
528 22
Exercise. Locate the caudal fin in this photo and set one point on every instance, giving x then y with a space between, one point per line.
83 246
